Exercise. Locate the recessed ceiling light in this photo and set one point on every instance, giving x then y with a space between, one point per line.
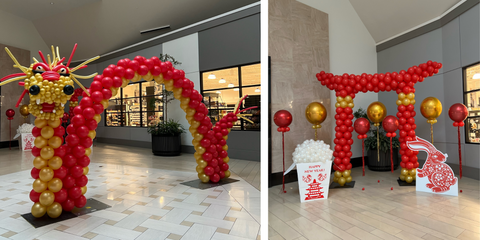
52 3
257 90
235 89
230 85
476 76
211 76
222 80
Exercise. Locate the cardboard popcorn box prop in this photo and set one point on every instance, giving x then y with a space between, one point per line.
435 176
26 142
313 180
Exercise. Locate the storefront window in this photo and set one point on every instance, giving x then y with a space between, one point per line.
472 101
135 105
221 90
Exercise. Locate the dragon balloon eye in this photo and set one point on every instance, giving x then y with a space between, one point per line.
62 70
39 68
34 90
68 89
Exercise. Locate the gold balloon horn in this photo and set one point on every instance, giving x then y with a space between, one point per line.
316 114
376 112
431 108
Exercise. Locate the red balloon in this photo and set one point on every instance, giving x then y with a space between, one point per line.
215 178
10 113
213 163
361 126
208 170
69 161
34 196
78 151
68 205
282 118
60 173
80 201
59 131
61 195
205 143
74 192
224 167
68 182
409 165
34 173
458 112
390 124
78 120
81 181
76 171
207 156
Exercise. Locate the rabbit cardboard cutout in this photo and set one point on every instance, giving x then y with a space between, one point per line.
435 176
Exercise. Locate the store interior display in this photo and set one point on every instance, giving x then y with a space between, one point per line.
472 102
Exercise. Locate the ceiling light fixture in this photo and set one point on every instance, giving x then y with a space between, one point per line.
154 29
218 92
230 85
235 89
222 80
257 90
211 76
51 3
476 76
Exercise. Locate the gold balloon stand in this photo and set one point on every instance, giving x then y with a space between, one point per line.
316 113
376 112
431 108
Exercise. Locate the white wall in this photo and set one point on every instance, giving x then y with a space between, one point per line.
352 51
184 50
19 32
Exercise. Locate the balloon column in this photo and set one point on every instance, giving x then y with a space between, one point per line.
316 114
283 119
10 113
376 112
362 126
402 82
431 108
458 113
390 124
60 170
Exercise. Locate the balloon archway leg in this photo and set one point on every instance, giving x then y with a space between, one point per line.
343 140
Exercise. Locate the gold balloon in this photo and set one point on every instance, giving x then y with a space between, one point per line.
47 152
40 123
40 142
84 190
85 170
198 137
411 96
55 162
342 181
406 101
97 117
315 113
39 162
185 101
92 134
408 179
46 198
39 185
402 177
177 91
55 185
203 177
226 159
225 147
88 151
376 112
54 123
200 149
346 173
335 179
431 108
199 169
343 104
24 111
46 174
168 85
348 99
55 142
399 102
54 210
38 210
338 174
195 124
401 96
159 79
412 172
348 179
191 112
404 172
227 173
202 163
197 156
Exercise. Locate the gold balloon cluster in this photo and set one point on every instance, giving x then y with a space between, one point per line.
431 108
342 177
73 104
408 175
51 92
406 99
316 114
344 102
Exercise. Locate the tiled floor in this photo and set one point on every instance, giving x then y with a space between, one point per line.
147 199
377 212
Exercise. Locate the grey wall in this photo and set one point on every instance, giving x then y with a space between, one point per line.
456 45
230 44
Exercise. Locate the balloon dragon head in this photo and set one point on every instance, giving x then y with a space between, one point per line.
49 83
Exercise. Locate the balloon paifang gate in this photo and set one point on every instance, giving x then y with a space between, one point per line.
60 169
347 86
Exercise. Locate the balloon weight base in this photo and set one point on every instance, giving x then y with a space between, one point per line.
405 184
335 185
91 206
200 185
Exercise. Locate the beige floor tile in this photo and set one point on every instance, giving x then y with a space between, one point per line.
140 229
89 235
8 234
174 236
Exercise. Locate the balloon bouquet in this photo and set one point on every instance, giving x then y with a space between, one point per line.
60 169
283 119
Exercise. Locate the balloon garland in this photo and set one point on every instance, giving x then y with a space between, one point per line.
402 82
458 113
60 170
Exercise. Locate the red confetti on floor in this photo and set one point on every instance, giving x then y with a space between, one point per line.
364 189
378 180
391 188
461 191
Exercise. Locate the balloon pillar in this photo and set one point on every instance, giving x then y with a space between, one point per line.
10 113
283 119
362 126
403 83
60 170
390 124
458 113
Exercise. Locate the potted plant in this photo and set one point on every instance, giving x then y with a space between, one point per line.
166 134
373 162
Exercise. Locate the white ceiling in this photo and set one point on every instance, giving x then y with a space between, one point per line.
102 26
387 18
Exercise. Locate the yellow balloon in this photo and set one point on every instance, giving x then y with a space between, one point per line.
402 177
184 106
168 85
40 142
376 112
227 173
348 179
92 134
38 210
337 104
55 142
431 108
412 172
401 96
39 185
315 113
411 96
226 159
97 117
185 101
408 179
114 91
104 103
225 147
190 112
85 170
55 162
339 99
200 149
412 101
88 151
203 177
197 156
404 172
348 99
177 91
46 198
195 124
24 110
202 163
351 105
342 181
346 173
54 123
40 123
399 102
192 130
84 190
55 185
406 101
47 152
159 79
46 174
338 174
198 137
335 179
39 162
343 104
54 210
195 142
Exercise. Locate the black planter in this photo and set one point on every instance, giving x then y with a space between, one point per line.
166 145
384 164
